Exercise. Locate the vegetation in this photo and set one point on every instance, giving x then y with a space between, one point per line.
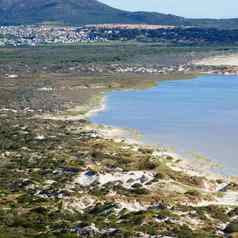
63 179
40 196
92 12
175 36
113 53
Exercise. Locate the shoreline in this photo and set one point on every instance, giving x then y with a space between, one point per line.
205 167
79 112
193 168
132 137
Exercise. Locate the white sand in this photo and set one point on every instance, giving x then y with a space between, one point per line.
223 60
119 134
127 179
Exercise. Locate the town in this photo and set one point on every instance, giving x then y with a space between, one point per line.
43 34
35 35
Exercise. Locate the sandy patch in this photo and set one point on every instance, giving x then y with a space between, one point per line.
127 179
222 60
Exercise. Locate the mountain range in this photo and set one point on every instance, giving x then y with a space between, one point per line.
80 12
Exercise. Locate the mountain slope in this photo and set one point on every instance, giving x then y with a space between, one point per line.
77 12
74 12
68 11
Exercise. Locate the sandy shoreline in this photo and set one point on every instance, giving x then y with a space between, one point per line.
79 112
222 60
129 136
133 137
195 167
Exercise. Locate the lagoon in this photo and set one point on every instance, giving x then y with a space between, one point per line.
198 116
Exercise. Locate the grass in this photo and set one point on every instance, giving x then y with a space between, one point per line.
104 53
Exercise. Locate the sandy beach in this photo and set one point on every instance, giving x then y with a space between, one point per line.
222 60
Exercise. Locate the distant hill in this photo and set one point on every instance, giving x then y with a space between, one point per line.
79 12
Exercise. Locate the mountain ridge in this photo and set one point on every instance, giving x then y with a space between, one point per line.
81 12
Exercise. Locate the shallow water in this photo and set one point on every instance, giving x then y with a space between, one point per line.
198 116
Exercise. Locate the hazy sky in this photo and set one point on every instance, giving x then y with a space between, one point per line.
186 8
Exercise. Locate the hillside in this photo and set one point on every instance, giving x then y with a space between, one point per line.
78 12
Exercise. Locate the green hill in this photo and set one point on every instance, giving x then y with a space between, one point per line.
79 12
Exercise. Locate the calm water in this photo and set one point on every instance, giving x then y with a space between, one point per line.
192 116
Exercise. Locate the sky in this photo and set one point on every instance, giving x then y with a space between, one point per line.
185 8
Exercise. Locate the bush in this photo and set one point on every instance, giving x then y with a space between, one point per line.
232 227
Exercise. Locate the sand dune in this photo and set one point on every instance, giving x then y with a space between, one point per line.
223 60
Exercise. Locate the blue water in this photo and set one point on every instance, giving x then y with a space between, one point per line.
198 116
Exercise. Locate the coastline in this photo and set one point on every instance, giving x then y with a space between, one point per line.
194 168
201 165
79 112
133 137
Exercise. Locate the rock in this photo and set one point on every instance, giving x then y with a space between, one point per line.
45 89
40 137
88 231
233 212
87 178
12 76
71 170
78 204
